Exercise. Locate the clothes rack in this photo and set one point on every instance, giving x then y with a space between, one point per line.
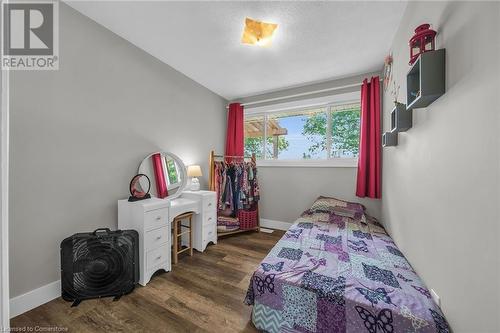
211 185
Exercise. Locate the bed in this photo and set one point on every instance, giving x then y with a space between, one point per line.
337 270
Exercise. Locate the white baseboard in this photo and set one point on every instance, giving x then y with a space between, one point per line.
25 302
273 224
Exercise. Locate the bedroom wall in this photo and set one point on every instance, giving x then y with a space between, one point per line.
78 135
287 191
441 183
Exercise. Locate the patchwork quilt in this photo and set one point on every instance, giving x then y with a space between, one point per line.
340 272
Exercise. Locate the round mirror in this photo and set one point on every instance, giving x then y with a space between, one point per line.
167 173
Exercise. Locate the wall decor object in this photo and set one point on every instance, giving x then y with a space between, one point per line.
390 139
401 118
425 81
422 41
395 91
137 192
98 264
387 71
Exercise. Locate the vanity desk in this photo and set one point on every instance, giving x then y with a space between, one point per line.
153 217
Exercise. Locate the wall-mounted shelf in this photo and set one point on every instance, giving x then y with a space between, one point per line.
425 81
401 118
390 139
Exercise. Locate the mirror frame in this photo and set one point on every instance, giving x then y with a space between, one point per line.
183 171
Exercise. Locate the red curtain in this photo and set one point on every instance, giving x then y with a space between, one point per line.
368 181
161 184
235 133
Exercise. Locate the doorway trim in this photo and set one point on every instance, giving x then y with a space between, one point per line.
4 203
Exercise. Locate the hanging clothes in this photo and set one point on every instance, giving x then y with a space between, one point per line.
236 185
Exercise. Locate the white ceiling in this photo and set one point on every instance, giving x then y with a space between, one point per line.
315 41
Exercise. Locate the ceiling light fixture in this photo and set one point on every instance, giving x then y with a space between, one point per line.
257 32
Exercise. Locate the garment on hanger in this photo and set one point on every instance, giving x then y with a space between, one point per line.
236 185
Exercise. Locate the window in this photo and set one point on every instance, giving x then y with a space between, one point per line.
317 135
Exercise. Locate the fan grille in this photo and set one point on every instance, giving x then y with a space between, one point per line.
98 265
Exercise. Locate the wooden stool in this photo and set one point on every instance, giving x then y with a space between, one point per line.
178 234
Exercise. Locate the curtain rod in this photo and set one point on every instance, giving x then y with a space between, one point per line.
301 94
233 156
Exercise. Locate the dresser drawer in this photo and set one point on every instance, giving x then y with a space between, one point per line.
156 219
209 218
156 237
209 231
209 203
158 256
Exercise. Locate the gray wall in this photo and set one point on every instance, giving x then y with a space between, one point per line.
441 183
287 191
79 134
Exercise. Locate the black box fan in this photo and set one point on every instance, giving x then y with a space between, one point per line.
99 264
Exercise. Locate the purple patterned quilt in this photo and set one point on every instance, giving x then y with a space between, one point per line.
333 273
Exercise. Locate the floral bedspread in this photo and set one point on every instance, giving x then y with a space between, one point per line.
333 273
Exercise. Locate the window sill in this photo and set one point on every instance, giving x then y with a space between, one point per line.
332 163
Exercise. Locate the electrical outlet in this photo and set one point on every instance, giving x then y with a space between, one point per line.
435 297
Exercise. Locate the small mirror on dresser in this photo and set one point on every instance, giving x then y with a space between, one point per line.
167 173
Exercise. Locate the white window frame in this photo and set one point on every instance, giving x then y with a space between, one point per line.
322 102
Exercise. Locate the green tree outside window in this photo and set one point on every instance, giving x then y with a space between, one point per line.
344 131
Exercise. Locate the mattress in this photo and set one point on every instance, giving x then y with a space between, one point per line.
334 271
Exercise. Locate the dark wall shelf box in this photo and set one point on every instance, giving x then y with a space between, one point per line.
425 81
390 139
401 118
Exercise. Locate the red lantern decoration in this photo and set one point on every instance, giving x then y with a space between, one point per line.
422 41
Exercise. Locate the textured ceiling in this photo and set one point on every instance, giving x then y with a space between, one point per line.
315 41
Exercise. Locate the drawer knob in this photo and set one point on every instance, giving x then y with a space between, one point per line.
158 238
209 204
158 258
210 219
158 218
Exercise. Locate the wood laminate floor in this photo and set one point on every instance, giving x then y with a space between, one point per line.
203 293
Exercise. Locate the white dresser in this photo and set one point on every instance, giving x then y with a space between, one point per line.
152 218
205 223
